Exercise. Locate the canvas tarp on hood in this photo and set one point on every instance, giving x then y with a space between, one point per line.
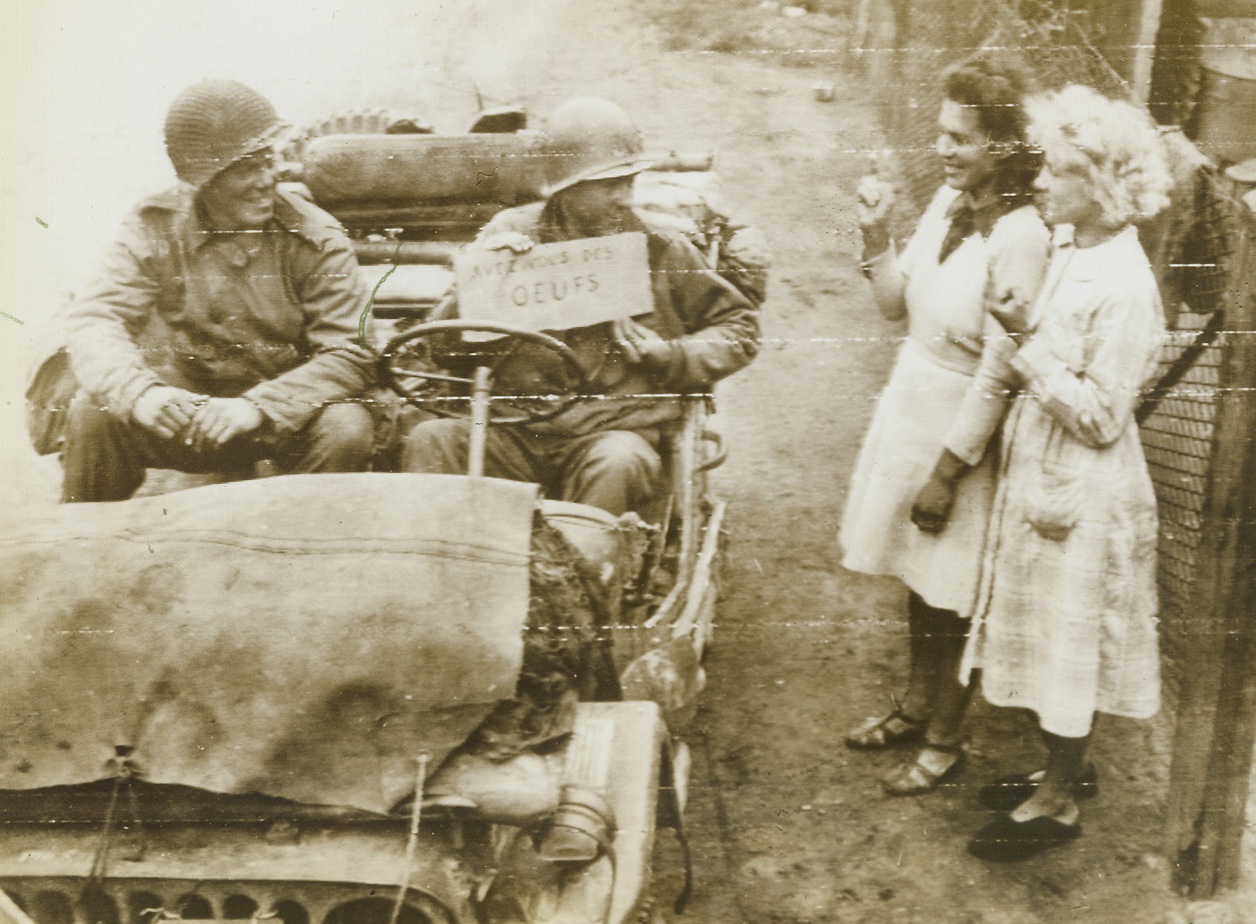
304 636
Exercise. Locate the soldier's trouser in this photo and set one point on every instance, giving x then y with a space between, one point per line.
617 470
105 458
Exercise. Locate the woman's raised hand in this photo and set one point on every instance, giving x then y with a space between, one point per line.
875 199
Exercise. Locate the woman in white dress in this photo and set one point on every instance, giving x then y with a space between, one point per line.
921 491
1065 624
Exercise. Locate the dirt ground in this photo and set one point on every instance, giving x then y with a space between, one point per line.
786 824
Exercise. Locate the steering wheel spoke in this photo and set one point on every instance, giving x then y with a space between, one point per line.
400 373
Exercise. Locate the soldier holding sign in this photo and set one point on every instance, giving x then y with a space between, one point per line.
647 317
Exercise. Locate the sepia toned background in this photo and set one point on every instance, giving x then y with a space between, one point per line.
786 824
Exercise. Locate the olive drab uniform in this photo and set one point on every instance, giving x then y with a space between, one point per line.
272 317
268 312
604 451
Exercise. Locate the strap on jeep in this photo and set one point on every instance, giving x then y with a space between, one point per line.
675 819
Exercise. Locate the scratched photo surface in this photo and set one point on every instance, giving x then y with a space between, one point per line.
782 822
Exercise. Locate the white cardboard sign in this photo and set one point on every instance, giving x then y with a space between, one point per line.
556 287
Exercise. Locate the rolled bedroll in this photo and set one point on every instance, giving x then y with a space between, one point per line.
402 175
418 170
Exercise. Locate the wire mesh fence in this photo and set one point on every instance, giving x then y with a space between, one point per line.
931 35
1178 440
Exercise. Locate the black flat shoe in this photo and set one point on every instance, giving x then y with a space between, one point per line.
1007 792
1006 841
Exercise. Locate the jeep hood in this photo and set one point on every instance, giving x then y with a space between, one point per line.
306 637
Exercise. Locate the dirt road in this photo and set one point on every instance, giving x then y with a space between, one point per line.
786 824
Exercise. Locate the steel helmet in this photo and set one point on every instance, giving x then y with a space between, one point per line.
213 124
590 139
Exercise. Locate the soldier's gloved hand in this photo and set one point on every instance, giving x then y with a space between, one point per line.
639 344
513 241
220 420
166 410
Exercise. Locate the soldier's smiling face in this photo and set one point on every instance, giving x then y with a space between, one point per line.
242 197
598 207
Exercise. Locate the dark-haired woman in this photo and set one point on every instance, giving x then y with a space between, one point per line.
921 492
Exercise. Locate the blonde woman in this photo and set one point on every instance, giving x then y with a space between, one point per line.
1066 624
921 492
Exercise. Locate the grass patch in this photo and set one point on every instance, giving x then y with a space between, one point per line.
746 27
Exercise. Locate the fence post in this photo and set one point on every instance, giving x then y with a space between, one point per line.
1216 720
1145 47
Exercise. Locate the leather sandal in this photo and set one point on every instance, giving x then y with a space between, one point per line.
889 731
915 777
1007 792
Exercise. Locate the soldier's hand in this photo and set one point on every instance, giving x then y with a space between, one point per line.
638 343
166 410
220 420
513 241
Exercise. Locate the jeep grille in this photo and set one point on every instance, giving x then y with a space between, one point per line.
122 901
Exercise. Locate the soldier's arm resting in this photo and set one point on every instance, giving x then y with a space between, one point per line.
722 326
336 302
105 320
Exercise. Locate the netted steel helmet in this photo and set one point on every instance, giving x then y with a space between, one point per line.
590 139
213 124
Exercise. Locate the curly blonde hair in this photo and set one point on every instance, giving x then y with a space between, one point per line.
1113 143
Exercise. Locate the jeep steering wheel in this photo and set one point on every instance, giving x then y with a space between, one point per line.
410 382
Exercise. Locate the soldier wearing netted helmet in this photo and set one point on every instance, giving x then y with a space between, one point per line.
604 450
223 326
